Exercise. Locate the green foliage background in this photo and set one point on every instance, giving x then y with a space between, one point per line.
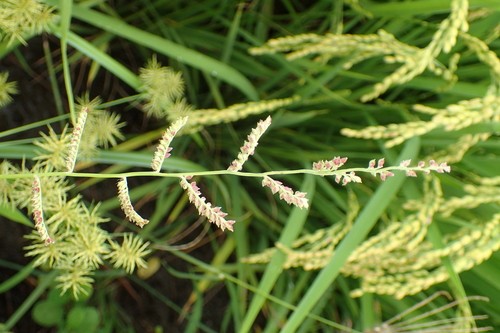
99 46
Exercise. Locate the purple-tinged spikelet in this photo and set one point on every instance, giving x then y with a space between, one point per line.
163 149
213 214
36 204
250 144
76 137
286 193
126 205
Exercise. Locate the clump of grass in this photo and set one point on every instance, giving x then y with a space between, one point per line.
343 205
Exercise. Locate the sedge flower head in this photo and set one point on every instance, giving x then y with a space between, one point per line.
6 89
161 87
129 254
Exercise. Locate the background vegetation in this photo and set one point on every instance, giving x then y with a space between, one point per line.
323 92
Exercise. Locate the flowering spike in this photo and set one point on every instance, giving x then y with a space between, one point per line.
411 173
386 174
286 193
380 163
163 149
405 163
249 146
213 214
76 137
329 166
36 204
126 205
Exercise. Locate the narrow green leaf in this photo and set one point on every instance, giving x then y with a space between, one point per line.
273 270
166 47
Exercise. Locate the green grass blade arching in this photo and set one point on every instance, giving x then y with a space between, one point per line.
166 47
101 58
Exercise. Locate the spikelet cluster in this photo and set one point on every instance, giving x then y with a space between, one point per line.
163 149
54 149
207 117
162 89
399 261
76 138
213 214
6 89
20 19
36 206
356 48
129 254
126 204
250 144
453 117
290 196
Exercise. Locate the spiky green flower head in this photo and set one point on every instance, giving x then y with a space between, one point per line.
54 148
161 88
6 89
129 254
21 18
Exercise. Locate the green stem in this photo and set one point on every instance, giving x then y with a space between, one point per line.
32 298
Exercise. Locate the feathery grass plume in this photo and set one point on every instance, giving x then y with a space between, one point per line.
213 214
54 148
453 117
21 18
161 88
6 89
129 254
76 137
104 128
126 205
163 149
36 206
207 117
286 193
429 321
250 144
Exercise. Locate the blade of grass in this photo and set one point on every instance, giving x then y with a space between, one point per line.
273 270
101 58
16 278
45 282
65 8
360 229
166 47
14 214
